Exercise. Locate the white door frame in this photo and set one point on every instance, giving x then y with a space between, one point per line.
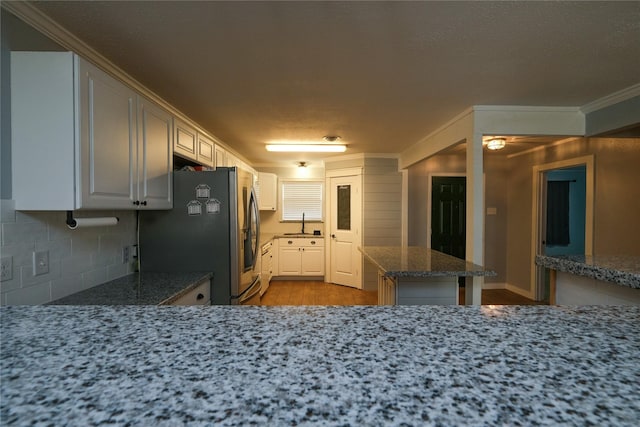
339 173
539 203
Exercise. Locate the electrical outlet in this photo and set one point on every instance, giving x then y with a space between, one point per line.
125 254
40 263
6 271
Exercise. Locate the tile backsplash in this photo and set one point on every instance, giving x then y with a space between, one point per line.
78 259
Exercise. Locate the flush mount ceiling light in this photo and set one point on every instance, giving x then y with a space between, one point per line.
331 138
302 164
496 143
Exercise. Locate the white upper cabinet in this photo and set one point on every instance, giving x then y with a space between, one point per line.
221 156
267 186
206 151
83 140
155 157
185 140
192 144
108 141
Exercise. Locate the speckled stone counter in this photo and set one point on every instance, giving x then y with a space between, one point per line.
200 366
414 261
149 288
601 279
623 270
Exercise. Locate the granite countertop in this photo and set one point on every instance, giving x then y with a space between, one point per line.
414 261
621 269
367 365
148 288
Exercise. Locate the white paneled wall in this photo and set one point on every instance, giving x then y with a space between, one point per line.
78 259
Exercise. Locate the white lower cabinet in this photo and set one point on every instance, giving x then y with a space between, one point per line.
386 290
200 295
301 257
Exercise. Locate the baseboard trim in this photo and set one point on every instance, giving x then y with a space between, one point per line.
494 285
320 278
522 292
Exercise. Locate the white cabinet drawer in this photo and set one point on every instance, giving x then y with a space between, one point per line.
302 242
200 295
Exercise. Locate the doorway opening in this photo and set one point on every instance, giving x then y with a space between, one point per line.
448 216
563 218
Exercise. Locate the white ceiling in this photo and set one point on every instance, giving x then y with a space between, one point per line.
382 75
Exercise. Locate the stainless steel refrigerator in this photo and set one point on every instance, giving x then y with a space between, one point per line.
214 226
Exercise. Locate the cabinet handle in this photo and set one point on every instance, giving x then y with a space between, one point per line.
137 202
313 242
289 242
199 297
144 203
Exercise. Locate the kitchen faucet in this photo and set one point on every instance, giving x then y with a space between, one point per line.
302 222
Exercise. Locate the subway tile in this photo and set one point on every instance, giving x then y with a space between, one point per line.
116 271
58 249
59 231
95 277
76 264
66 286
21 253
7 211
28 279
84 243
10 285
38 293
110 245
23 231
99 260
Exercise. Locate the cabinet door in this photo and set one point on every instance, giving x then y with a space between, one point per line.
221 156
312 261
155 157
206 154
289 260
107 141
268 191
185 140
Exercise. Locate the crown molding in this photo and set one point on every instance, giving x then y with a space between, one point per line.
35 18
611 99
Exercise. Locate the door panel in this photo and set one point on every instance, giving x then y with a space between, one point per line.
344 263
345 217
448 215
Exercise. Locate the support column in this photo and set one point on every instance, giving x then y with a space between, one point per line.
475 216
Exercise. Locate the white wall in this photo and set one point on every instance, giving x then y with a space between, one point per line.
270 222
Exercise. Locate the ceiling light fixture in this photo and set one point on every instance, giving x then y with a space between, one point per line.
496 143
302 164
331 138
307 148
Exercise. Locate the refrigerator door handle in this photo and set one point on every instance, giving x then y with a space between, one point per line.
253 205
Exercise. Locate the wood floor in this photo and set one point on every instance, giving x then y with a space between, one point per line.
304 292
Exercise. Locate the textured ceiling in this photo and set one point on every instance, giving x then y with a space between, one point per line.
382 75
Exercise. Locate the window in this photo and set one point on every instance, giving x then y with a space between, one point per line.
300 197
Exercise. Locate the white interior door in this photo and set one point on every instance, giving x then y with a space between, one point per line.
345 210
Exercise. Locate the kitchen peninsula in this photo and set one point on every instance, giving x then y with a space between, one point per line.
361 365
409 275
593 279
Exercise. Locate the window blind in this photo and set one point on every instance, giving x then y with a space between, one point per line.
299 197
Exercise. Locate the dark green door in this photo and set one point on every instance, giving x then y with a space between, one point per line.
448 215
